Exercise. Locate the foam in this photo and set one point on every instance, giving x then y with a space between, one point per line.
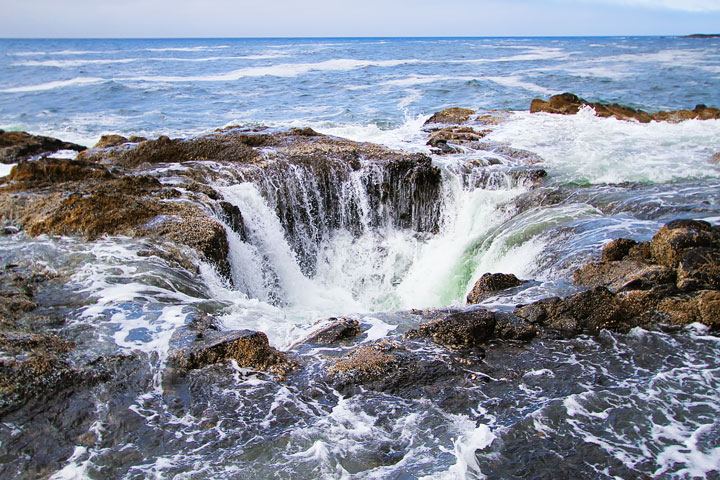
5 168
55 85
73 63
74 469
586 148
187 49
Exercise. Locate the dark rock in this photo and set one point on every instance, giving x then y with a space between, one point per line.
340 329
590 311
18 146
248 348
628 274
568 104
465 329
454 115
699 268
702 306
491 283
617 249
510 327
232 216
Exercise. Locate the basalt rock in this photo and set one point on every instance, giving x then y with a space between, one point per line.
568 104
453 115
490 283
18 146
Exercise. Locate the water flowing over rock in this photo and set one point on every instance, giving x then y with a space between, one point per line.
569 104
337 331
18 146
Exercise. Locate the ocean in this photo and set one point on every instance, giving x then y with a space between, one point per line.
642 404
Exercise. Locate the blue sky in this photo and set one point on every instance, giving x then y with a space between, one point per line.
241 18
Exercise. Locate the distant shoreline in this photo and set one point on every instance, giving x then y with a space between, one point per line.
703 35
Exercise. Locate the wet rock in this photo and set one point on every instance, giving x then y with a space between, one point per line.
568 104
390 367
232 215
454 115
617 249
340 329
702 306
107 141
627 274
591 311
248 348
699 269
465 329
18 146
510 327
36 174
456 136
490 283
673 240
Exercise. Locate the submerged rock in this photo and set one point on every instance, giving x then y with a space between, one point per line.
568 104
18 146
491 283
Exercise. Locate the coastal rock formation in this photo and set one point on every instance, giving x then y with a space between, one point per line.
453 115
490 283
456 136
673 279
568 104
18 146
464 329
337 331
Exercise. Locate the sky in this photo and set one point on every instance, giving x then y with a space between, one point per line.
344 18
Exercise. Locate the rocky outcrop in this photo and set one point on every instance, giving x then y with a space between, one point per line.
569 104
459 136
465 329
338 330
453 115
18 146
490 283
673 279
248 348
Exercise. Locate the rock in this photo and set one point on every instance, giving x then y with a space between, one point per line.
35 174
702 306
491 283
619 274
716 158
510 327
340 329
18 146
617 249
248 348
107 141
454 135
591 311
568 104
387 366
453 115
232 216
699 268
465 329
673 240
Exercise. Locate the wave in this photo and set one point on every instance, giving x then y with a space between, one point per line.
187 49
61 52
72 63
516 82
57 84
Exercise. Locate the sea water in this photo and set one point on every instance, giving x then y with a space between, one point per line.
615 406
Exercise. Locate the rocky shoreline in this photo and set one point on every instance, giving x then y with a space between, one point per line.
121 187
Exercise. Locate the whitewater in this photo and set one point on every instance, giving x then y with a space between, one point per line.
643 404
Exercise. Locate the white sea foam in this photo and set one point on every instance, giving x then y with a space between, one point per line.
187 49
516 81
5 168
75 469
56 84
73 63
587 148
58 52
